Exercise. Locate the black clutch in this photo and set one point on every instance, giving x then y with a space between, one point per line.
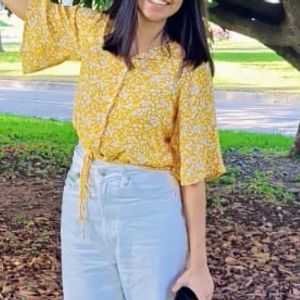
185 293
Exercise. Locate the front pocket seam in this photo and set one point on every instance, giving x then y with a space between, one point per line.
72 178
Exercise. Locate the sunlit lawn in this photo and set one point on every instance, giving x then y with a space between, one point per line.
240 64
246 64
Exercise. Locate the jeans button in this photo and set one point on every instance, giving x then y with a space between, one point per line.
102 172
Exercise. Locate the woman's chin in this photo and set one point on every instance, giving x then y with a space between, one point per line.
154 16
158 12
153 12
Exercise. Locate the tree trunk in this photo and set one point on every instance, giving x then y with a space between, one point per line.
295 151
1 47
276 26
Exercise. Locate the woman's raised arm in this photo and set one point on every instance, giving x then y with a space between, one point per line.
54 32
18 7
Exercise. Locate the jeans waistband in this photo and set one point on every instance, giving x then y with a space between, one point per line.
80 158
106 165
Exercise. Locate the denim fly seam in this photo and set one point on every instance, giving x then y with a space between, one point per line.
103 169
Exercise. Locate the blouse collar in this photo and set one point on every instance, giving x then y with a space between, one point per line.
160 52
154 52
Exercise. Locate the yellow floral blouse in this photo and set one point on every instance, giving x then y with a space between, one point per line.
147 116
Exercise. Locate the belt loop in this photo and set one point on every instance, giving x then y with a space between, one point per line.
82 236
125 176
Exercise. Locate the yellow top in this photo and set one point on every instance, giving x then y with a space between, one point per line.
147 116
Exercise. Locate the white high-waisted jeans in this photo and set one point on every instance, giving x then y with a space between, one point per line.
135 233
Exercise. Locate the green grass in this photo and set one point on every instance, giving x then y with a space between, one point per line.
37 137
218 55
238 55
55 134
27 142
10 48
19 130
241 64
246 56
9 57
245 141
230 176
245 64
258 184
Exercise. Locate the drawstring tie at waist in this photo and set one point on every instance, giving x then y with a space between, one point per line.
87 160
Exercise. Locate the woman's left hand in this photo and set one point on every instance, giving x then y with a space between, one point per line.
198 279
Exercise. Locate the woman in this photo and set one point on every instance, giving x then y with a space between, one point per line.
145 117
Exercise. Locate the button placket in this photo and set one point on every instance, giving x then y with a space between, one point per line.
112 103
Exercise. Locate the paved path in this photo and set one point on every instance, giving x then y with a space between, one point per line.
235 110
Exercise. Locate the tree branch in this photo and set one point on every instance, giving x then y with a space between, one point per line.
271 13
266 33
289 53
292 12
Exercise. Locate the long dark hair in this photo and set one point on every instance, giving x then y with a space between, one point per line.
186 27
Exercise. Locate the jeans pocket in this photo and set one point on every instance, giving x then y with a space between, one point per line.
72 178
150 184
174 186
176 194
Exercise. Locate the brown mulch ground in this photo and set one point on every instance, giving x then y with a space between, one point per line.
253 243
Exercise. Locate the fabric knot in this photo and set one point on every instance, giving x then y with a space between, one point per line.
87 160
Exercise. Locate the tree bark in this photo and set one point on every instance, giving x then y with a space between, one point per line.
272 13
264 32
283 37
1 46
295 151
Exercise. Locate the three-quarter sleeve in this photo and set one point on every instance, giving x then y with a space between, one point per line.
195 139
54 32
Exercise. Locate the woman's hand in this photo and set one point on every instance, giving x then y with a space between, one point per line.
17 7
198 279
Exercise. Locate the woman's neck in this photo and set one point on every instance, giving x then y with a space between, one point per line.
149 34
